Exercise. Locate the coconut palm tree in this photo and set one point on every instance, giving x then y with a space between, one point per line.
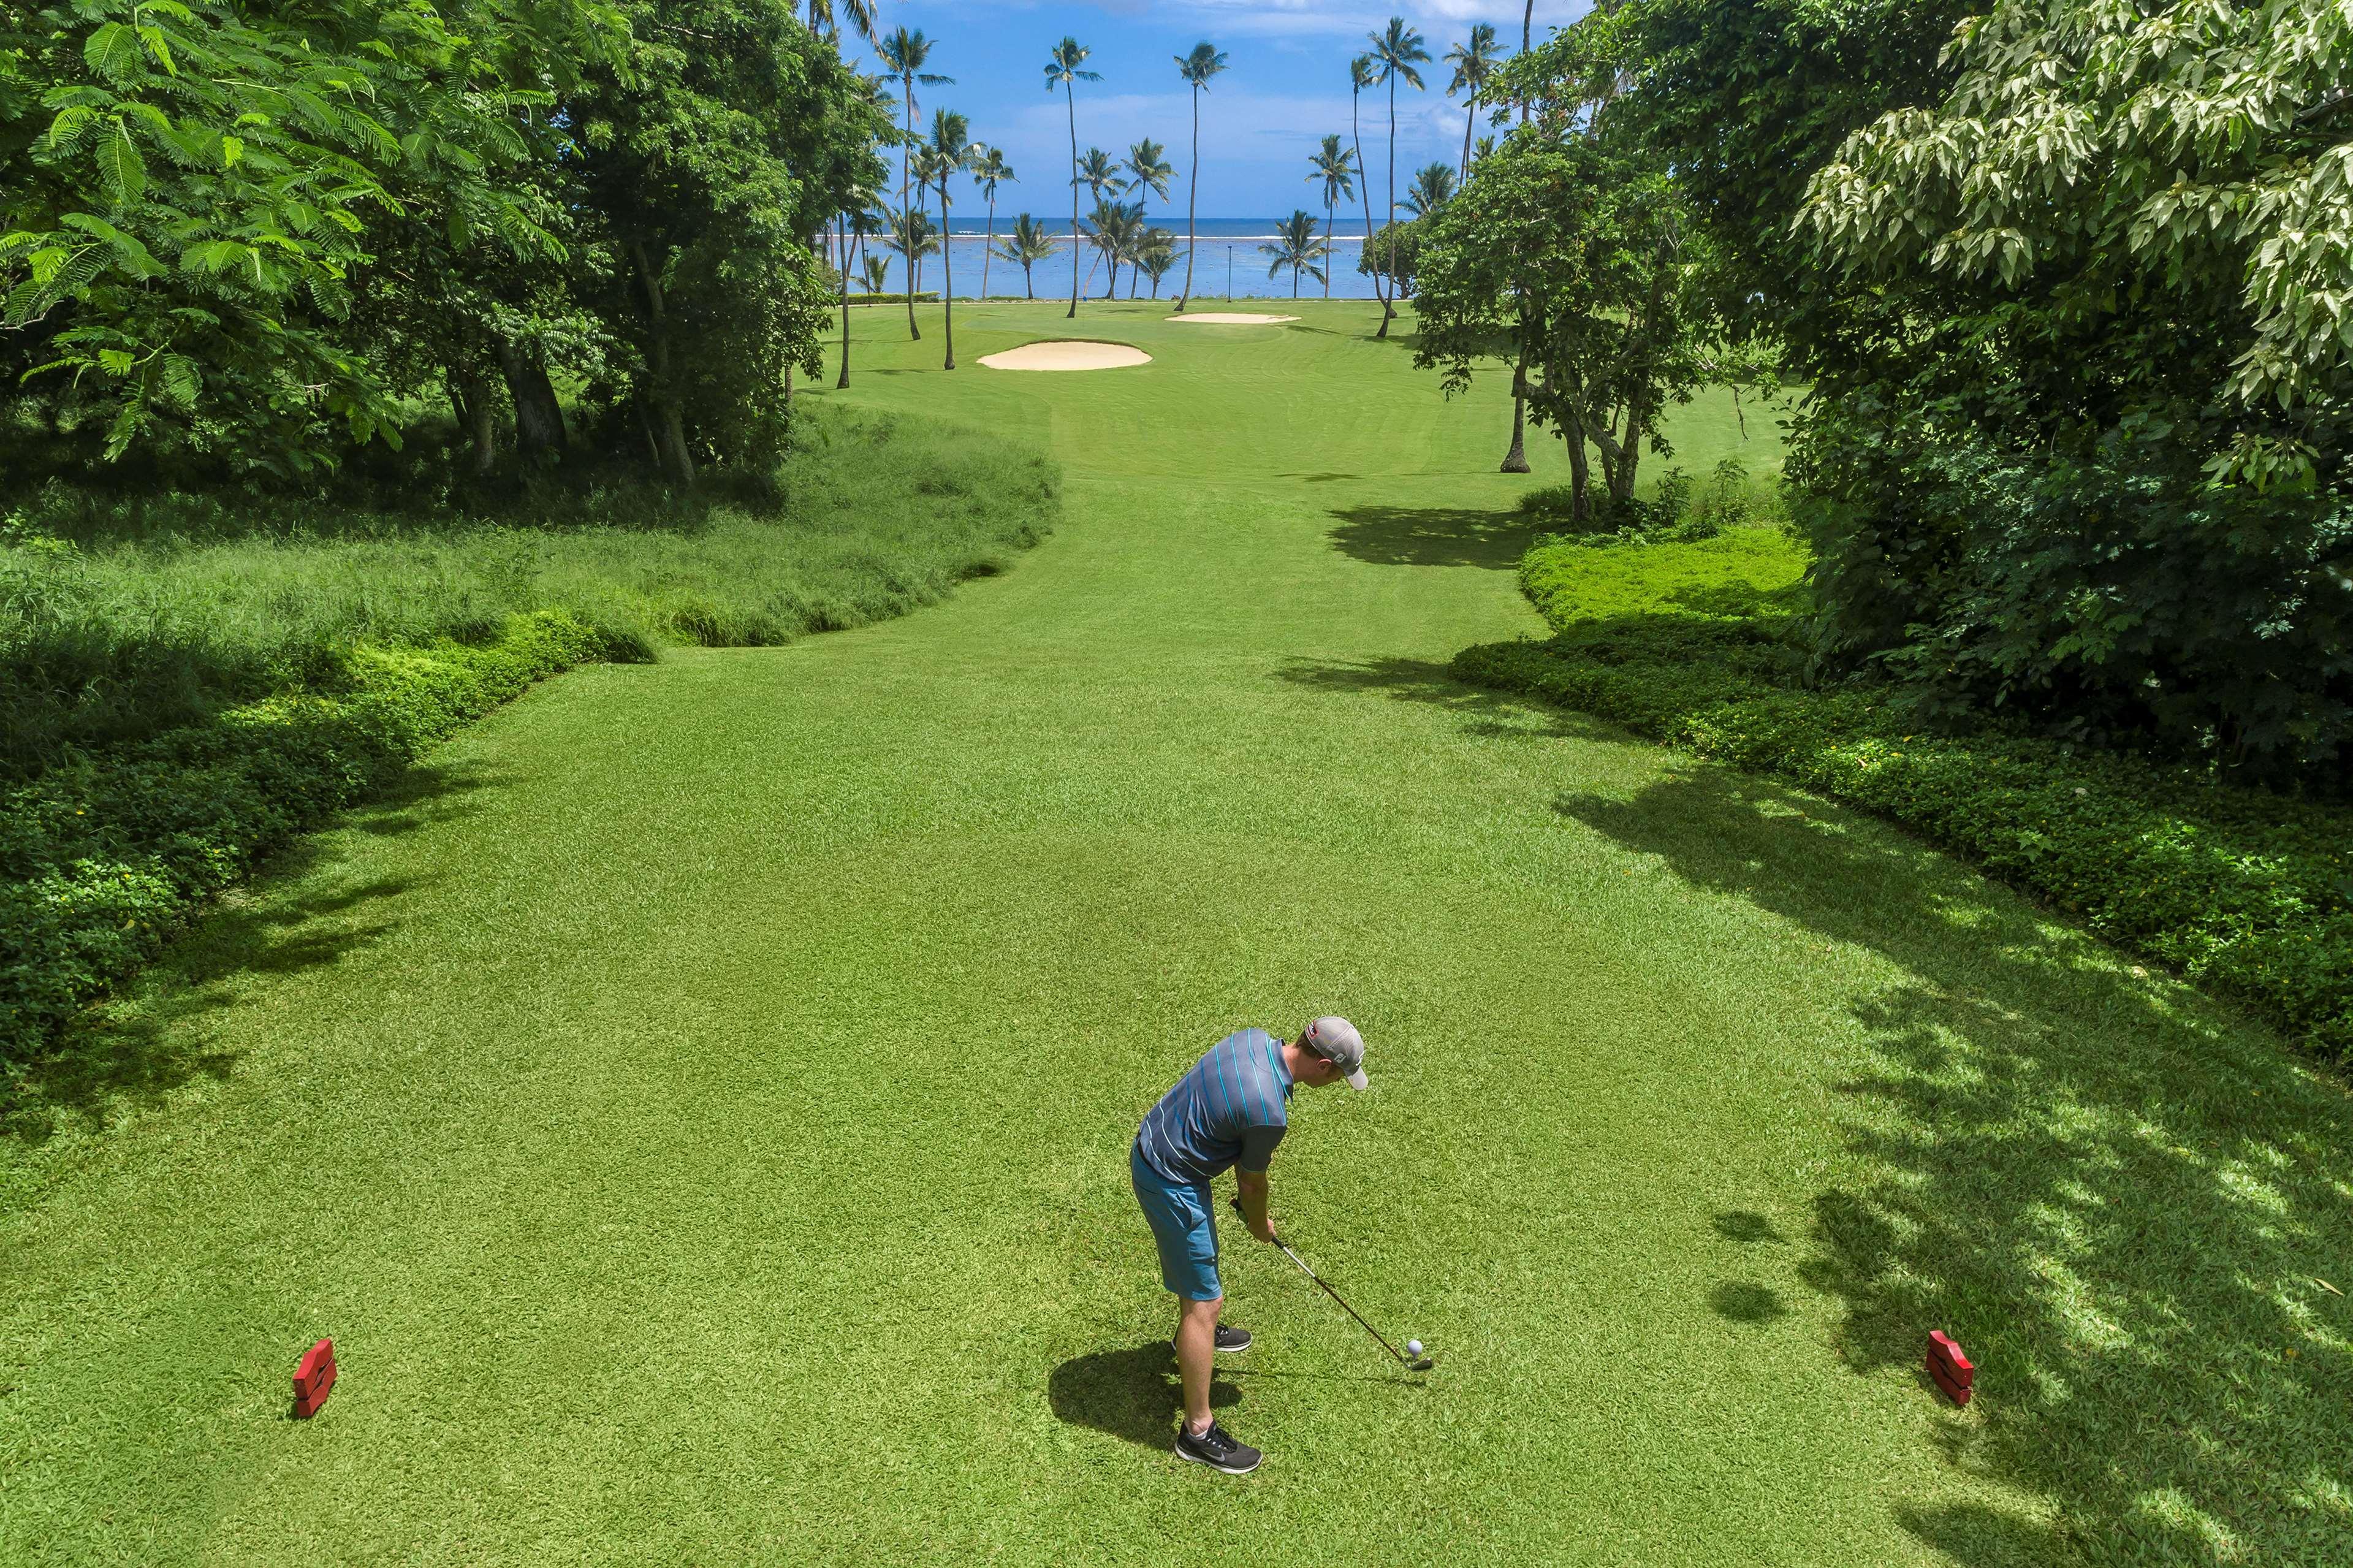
1360 76
910 234
1515 461
1027 244
989 169
824 18
1155 257
1118 229
1474 65
1396 49
1101 176
1148 172
1062 70
904 54
1336 168
950 155
876 270
1432 189
1296 247
1196 69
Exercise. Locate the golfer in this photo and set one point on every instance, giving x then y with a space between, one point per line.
1228 1112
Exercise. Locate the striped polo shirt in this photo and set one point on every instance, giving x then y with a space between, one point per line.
1230 1110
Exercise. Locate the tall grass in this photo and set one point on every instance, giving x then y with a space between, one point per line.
120 617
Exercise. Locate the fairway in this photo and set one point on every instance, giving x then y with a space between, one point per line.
699 1106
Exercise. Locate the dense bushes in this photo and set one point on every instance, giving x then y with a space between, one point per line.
103 858
2245 893
191 681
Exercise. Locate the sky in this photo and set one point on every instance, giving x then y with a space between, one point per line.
1285 86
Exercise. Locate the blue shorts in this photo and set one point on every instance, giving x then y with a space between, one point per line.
1182 1227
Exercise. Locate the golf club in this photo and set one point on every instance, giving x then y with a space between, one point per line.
1415 1363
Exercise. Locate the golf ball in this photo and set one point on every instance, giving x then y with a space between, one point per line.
1413 1347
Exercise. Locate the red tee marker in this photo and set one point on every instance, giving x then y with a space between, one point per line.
1952 1371
313 1378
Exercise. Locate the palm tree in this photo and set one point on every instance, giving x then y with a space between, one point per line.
1118 230
950 155
903 56
910 236
822 18
989 169
1101 176
857 223
1295 247
1396 49
1156 257
1196 68
1062 70
1432 189
1336 169
1360 76
877 271
1027 244
1148 169
1474 63
1517 460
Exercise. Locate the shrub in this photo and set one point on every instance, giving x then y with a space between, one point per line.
2239 890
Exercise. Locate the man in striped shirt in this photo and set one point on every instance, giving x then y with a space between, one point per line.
1228 1112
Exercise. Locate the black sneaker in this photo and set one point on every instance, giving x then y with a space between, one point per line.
1232 1338
1215 1448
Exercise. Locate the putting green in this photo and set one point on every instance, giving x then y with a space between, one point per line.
698 1107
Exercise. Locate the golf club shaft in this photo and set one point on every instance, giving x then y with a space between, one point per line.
1402 1360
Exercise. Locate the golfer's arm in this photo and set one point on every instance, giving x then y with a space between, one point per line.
1253 1195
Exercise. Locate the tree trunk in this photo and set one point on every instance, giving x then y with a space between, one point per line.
948 277
1469 124
470 399
988 248
906 155
669 427
1192 201
1355 132
1029 281
1327 248
1388 312
1071 95
845 303
1517 460
539 419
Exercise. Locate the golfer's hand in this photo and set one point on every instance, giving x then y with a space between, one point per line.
1264 1230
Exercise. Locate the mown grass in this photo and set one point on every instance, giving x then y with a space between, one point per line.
120 617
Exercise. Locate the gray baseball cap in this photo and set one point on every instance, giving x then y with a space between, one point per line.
1336 1040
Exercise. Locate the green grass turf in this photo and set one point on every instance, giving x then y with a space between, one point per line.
699 1106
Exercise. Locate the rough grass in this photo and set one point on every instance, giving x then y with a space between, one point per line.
698 1104
122 618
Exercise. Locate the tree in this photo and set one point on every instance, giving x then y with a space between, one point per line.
904 54
1063 70
1196 68
911 234
1101 176
1397 50
1395 255
1148 170
823 21
1297 247
1335 167
877 271
1027 244
1474 65
859 223
1118 229
1156 257
1360 76
951 152
1576 254
1431 189
989 170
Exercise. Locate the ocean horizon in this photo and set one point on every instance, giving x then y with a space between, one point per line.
1227 262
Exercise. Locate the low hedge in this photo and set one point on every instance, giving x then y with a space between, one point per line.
927 297
103 858
2246 892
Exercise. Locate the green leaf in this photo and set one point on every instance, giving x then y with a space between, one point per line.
231 150
158 47
121 168
114 362
182 380
112 52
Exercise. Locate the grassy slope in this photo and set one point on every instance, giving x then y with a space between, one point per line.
698 1107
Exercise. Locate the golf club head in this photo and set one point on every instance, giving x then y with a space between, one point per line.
1422 1364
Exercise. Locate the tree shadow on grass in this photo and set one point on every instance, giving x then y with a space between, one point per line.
1483 712
133 1052
1432 536
2119 1199
1133 1393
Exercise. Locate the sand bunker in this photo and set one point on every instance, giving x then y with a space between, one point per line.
1231 318
1066 357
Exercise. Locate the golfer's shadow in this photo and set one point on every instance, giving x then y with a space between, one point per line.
1131 1394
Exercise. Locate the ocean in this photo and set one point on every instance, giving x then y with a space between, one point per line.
1227 262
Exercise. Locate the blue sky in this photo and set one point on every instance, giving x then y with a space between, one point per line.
1285 85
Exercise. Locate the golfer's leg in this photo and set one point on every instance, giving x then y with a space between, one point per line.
1196 1344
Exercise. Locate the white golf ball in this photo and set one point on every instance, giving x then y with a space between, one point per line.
1413 1347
